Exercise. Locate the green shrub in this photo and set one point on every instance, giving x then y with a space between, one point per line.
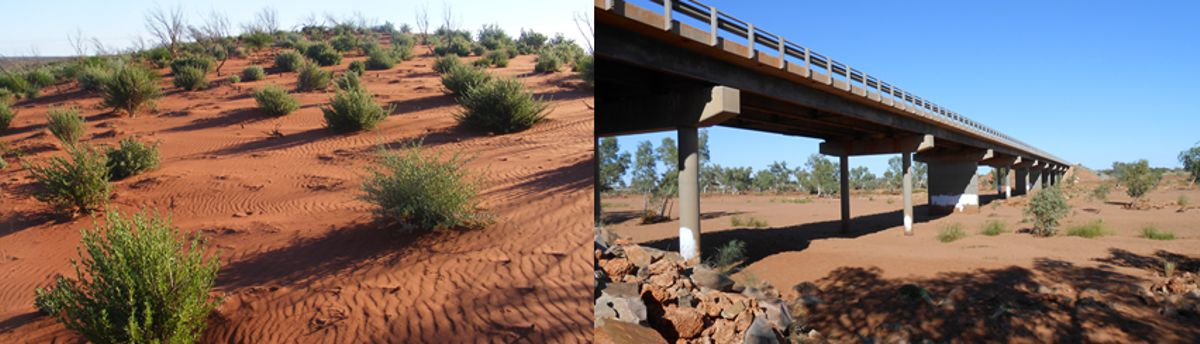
349 81
1152 232
353 110
994 228
160 57
323 54
15 84
380 60
203 63
257 40
749 221
402 52
312 78
253 73
66 124
233 79
275 101
586 68
423 191
92 78
191 78
530 42
501 106
40 77
1183 201
80 184
400 39
7 96
455 45
728 256
445 63
462 78
345 42
1046 208
1137 177
496 58
130 158
1089 230
548 62
478 49
130 89
142 281
6 116
1101 192
289 61
357 67
951 233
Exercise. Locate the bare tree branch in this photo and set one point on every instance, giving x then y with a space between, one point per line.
268 20
167 26
584 24
78 43
423 22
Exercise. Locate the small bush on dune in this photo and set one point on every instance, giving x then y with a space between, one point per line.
496 58
7 96
501 106
994 228
586 68
345 42
77 185
462 78
1046 208
92 78
1089 230
16 84
1152 232
548 62
403 39
253 73
379 59
423 191
275 101
530 42
204 64
312 78
40 77
323 54
358 67
130 158
445 63
1101 191
66 124
349 81
951 233
142 281
289 61
258 40
353 110
190 78
6 116
233 79
728 255
749 221
130 89
454 45
1137 177
402 52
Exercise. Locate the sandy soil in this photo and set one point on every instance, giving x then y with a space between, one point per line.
860 271
302 260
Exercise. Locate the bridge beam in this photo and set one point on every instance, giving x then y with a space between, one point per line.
695 106
889 145
689 194
953 184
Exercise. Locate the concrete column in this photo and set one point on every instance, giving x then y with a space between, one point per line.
1035 178
953 186
1005 178
906 158
689 194
844 160
1021 181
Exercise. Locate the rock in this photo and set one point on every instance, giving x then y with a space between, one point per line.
616 332
640 256
688 323
705 277
659 294
732 308
775 311
664 267
616 268
661 280
760 333
724 331
815 336
624 300
622 290
684 298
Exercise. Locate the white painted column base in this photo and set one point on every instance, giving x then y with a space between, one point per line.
687 243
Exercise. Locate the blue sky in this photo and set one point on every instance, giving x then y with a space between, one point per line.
1090 81
44 25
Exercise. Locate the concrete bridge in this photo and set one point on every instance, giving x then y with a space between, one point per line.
681 65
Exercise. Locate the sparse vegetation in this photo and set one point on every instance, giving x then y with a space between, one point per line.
358 67
65 124
92 78
1183 201
275 101
1137 178
1046 208
190 78
587 70
349 81
728 256
1153 233
379 59
131 157
452 45
461 78
141 282
501 106
1101 191
353 110
78 185
204 64
548 62
951 233
131 88
1089 230
994 228
495 58
445 63
1191 163
233 79
423 191
749 221
253 73
323 54
312 77
289 61
6 116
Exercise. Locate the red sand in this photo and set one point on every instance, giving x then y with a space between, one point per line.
302 261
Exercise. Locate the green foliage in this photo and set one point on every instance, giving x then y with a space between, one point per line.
994 228
530 42
951 233
1046 208
454 45
289 61
1153 233
160 57
1101 192
130 89
1089 230
233 79
423 191
548 62
323 54
130 158
345 42
613 164
40 77
353 110
403 39
358 67
190 78
462 78
749 221
492 37
141 282
586 68
349 81
1183 201
202 63
79 184
496 58
17 84
257 39
728 256
1191 163
445 63
253 73
1137 177
312 78
92 78
6 116
66 124
275 101
402 52
379 59
501 106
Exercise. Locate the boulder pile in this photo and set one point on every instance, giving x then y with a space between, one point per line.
1177 296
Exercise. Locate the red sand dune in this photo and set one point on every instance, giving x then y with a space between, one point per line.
302 260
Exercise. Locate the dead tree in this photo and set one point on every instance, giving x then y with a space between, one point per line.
167 26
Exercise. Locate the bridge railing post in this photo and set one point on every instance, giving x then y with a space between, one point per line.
712 25
750 40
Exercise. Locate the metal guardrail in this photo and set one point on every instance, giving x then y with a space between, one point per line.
854 79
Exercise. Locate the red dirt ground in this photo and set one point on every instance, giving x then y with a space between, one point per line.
302 260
